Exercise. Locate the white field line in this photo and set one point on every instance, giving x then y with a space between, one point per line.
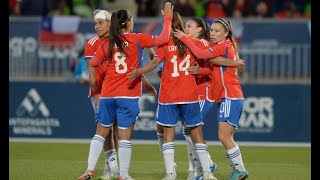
136 141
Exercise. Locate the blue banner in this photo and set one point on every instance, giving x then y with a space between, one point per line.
275 113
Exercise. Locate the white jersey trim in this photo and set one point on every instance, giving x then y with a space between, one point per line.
205 42
115 97
93 40
189 102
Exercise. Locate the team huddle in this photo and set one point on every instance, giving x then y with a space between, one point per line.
200 67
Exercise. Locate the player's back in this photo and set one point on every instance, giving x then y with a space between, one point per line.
116 82
225 79
178 86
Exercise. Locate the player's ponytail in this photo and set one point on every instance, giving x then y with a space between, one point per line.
177 23
206 34
231 37
119 21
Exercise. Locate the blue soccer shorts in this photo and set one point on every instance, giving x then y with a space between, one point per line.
205 107
230 111
189 114
123 110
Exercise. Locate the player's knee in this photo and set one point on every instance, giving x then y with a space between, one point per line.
223 137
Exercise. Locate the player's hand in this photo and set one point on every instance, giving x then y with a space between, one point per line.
159 73
151 53
151 90
94 87
195 32
194 69
240 65
133 74
178 34
168 9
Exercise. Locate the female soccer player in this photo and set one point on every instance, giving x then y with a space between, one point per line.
102 24
198 29
200 32
119 96
227 90
102 20
178 99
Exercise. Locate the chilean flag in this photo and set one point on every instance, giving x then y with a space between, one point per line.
58 31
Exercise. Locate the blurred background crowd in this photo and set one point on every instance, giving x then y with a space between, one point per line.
281 9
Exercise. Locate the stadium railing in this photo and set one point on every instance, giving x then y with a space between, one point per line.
267 61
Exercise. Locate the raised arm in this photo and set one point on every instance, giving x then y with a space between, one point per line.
196 51
166 29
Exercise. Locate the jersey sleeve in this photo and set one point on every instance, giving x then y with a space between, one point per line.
165 33
202 43
163 38
208 53
88 51
160 52
146 40
205 71
99 56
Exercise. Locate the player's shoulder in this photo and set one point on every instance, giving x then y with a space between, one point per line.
131 36
224 43
204 42
137 34
140 35
92 41
170 45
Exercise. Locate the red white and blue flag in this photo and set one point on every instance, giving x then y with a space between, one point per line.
58 31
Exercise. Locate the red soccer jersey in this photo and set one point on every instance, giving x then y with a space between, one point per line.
116 82
90 48
204 80
225 79
178 86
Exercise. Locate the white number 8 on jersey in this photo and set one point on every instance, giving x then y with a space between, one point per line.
120 58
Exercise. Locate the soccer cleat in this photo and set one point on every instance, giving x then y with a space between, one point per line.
87 175
107 178
213 167
110 175
191 175
170 176
199 176
238 175
208 176
127 178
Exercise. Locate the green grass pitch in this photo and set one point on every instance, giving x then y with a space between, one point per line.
67 161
